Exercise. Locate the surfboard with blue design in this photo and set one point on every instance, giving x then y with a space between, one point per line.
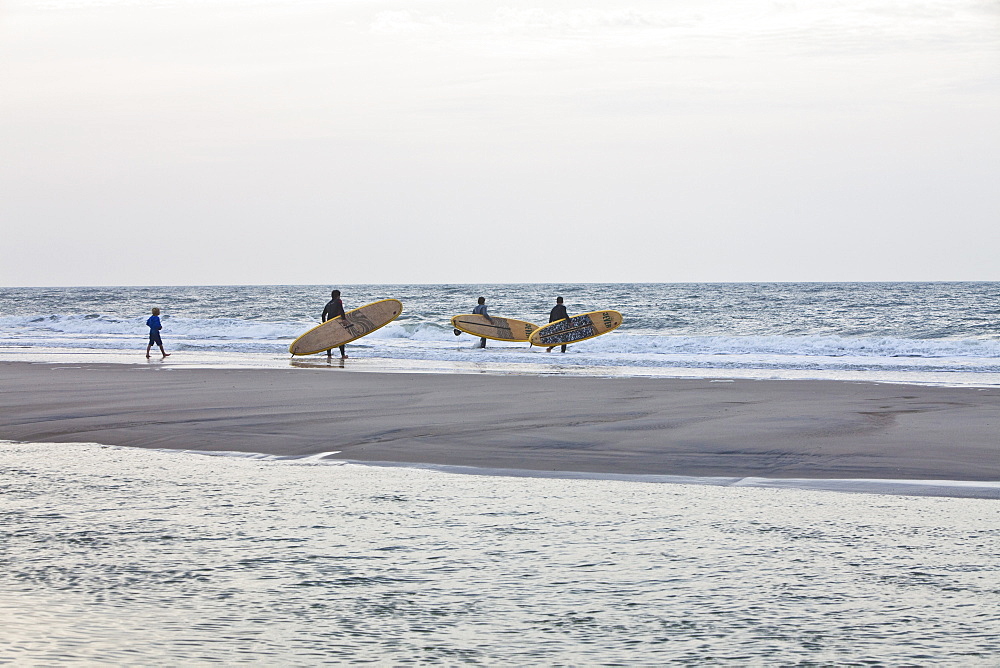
576 328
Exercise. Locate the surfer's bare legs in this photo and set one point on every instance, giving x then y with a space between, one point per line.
150 346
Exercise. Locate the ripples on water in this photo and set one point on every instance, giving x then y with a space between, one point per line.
125 556
907 310
938 333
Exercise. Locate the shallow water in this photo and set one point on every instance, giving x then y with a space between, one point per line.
128 556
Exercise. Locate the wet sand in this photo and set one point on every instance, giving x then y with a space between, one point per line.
774 429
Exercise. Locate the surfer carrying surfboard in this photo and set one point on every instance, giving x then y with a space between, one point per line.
334 308
558 313
480 309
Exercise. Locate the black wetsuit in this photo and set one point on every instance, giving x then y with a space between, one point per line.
558 312
334 308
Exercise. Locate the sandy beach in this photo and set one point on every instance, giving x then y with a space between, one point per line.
775 429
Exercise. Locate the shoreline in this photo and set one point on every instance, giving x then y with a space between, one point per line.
694 428
485 364
956 489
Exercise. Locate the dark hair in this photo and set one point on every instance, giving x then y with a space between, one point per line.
335 294
482 300
558 300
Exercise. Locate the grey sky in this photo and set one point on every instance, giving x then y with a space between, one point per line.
298 141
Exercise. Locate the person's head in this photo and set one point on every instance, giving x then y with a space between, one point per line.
335 294
558 300
482 300
156 311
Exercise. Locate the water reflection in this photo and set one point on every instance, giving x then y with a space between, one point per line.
129 556
318 362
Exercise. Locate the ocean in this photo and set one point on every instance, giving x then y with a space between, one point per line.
938 333
118 556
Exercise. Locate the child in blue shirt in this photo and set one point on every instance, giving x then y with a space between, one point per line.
153 322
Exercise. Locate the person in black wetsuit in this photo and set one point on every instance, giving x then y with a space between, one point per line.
558 312
335 308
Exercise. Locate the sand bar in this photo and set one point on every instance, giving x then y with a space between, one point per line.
687 427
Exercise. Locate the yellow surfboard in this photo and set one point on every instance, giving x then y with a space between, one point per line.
336 332
500 329
576 328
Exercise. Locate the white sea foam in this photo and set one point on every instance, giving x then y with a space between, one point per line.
75 327
888 331
619 353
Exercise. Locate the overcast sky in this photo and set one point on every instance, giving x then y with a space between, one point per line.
462 141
